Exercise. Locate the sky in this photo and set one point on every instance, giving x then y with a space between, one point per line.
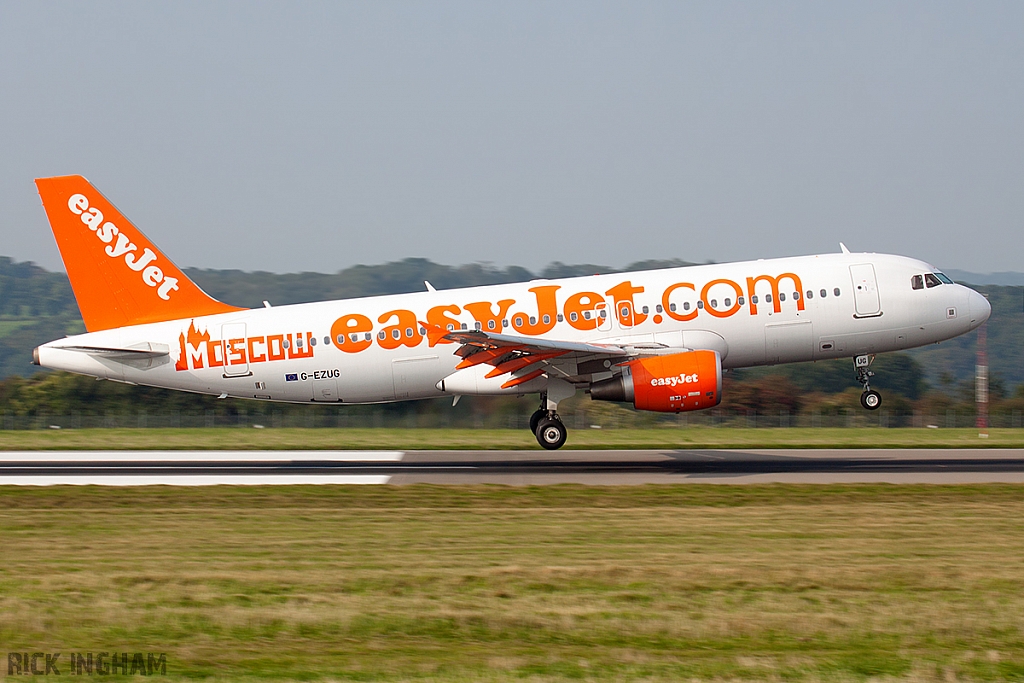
306 136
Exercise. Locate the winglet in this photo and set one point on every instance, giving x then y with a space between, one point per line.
119 277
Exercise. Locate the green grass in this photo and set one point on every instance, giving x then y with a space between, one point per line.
541 584
428 439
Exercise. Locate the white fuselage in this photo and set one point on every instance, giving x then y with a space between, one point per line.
375 349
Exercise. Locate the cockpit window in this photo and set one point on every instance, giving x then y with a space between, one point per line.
931 281
917 282
943 279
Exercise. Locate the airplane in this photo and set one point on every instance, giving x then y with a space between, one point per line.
659 339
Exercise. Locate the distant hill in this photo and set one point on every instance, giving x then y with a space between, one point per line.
37 306
1007 279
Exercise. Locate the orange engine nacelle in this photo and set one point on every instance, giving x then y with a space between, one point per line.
691 380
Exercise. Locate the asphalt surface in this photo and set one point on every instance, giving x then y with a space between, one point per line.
601 467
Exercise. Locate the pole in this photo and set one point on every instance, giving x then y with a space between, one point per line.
981 382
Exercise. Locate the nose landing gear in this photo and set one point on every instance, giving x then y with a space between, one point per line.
870 399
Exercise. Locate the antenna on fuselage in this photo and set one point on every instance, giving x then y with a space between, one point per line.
843 247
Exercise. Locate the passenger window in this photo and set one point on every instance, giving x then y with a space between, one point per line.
700 304
645 310
368 336
341 339
586 315
573 317
519 321
767 298
796 296
382 335
298 342
547 319
917 282
686 306
286 343
396 334
836 291
740 301
810 294
533 320
354 337
823 293
658 308
714 303
782 296
728 303
476 326
490 324
672 307
451 328
753 299
312 341
464 326
604 313
327 340
931 281
560 318
624 312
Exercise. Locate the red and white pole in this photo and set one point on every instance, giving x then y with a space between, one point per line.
981 382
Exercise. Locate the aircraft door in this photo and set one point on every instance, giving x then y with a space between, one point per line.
865 291
235 355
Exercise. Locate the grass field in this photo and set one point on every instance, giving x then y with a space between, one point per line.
428 439
491 583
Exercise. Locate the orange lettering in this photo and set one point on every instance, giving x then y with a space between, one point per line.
279 353
300 349
623 293
235 352
667 303
774 282
405 331
710 309
547 309
253 357
437 317
212 347
345 327
578 305
482 313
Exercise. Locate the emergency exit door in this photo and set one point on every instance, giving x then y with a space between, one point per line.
865 291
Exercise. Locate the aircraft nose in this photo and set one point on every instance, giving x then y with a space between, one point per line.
979 307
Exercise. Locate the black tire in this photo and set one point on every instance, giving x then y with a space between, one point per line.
871 400
551 434
536 418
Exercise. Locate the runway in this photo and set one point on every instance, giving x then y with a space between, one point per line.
598 467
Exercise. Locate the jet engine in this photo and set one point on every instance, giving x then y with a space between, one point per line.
691 380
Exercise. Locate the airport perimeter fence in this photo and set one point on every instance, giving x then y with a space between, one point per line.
578 420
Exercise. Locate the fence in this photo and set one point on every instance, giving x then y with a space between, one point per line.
581 419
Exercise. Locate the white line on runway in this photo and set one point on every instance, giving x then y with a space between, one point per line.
192 480
201 456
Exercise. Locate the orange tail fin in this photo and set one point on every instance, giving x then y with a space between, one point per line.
119 277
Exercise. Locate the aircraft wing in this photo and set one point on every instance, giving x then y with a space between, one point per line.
525 358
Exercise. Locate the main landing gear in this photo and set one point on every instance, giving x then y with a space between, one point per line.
545 423
870 399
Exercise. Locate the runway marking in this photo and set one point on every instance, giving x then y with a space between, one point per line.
201 456
193 480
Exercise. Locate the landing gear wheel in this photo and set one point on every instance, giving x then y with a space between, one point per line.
536 418
551 433
871 399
